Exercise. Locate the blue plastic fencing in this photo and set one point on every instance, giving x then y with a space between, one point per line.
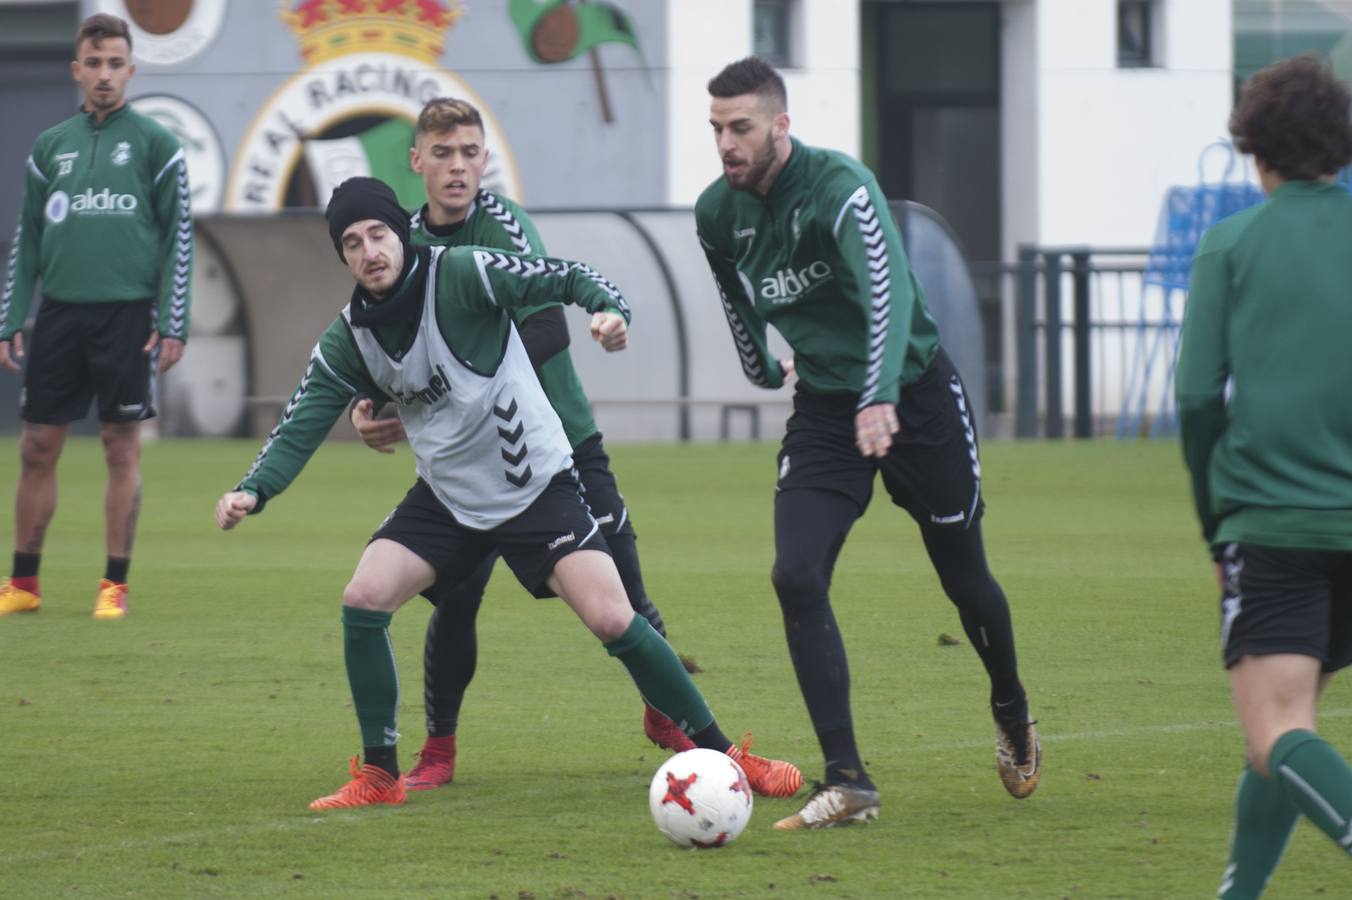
1185 216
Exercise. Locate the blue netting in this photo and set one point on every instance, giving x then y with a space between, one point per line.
1185 216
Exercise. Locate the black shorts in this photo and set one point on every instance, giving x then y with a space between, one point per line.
1287 601
933 470
556 524
592 467
80 351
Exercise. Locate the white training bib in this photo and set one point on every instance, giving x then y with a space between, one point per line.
487 445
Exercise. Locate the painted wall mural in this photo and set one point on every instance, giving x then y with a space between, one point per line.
277 102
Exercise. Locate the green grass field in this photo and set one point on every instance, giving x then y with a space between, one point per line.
173 754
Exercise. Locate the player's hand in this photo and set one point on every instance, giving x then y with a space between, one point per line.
610 331
171 351
789 368
10 356
1220 576
378 434
874 427
233 506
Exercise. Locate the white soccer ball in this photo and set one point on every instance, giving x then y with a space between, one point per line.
700 798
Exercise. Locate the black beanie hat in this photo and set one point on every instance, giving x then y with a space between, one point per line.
364 198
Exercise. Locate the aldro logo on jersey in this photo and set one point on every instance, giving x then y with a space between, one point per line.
787 285
103 202
438 386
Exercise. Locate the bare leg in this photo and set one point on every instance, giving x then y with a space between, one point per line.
122 502
588 582
35 500
387 575
1273 695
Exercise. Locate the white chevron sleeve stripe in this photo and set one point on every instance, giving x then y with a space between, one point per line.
182 238
746 348
495 208
880 286
285 419
539 266
11 272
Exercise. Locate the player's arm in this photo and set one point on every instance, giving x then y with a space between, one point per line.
22 267
332 377
544 331
543 327
1201 375
514 281
173 212
748 328
876 276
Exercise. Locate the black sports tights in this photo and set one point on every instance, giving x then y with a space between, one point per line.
810 528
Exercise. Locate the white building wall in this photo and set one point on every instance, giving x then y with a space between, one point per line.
706 35
1110 141
1090 150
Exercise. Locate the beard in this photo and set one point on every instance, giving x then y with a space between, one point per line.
756 168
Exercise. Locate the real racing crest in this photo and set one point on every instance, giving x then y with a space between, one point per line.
371 65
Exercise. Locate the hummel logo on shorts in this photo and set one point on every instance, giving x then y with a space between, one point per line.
562 539
947 520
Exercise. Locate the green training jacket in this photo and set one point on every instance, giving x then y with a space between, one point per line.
820 258
1264 372
495 221
106 216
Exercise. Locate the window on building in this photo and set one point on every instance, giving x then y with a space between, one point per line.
1135 34
772 30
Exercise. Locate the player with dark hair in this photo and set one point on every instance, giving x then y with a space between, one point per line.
449 153
801 238
1267 438
106 224
428 329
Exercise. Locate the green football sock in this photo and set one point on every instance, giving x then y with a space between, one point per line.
661 679
1264 819
1317 780
371 673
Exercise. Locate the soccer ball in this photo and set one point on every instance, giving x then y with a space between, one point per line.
700 798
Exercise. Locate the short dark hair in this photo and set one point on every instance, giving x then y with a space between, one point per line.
441 114
1294 116
751 75
97 27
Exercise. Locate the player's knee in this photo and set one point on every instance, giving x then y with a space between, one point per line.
362 595
1258 752
37 451
967 589
611 622
121 445
798 583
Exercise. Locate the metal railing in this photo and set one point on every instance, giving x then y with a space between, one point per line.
1093 340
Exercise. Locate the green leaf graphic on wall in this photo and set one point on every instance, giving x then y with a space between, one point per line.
555 31
380 152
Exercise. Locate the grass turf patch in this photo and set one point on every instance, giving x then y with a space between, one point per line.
173 754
